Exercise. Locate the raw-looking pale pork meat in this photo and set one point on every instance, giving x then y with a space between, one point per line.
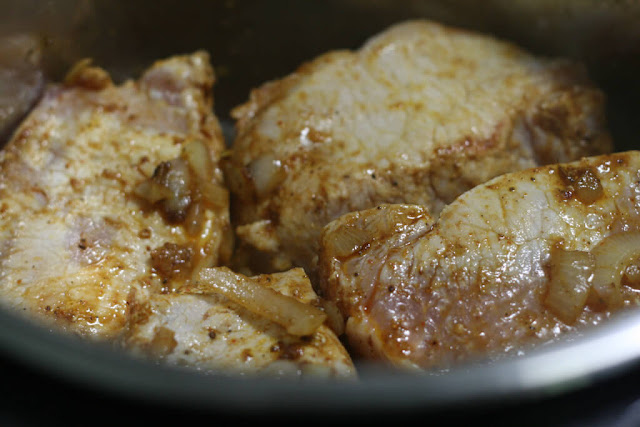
420 114
77 241
520 260
209 330
112 199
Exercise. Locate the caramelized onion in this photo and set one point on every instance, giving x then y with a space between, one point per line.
612 257
588 187
570 281
183 187
177 179
170 188
198 157
296 317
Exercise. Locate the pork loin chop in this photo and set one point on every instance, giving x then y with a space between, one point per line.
76 239
520 260
420 114
112 199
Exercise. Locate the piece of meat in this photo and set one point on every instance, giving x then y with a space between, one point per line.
76 240
212 332
112 200
425 293
420 114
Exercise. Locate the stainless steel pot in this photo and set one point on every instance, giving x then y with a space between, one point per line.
252 41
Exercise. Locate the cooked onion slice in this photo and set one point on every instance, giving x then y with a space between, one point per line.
355 235
296 317
631 276
169 187
214 194
152 191
612 256
267 173
184 187
82 74
201 164
570 281
197 155
348 239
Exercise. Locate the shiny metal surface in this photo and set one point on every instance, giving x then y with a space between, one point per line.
253 41
543 373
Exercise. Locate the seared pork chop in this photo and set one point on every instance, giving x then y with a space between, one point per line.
420 114
520 260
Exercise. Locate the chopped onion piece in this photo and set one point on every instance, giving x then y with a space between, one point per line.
361 230
215 195
152 191
631 276
348 239
194 220
169 188
296 317
82 74
571 272
612 256
588 187
335 320
267 173
197 155
201 164
76 70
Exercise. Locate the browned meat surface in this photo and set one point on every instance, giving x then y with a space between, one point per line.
420 114
520 260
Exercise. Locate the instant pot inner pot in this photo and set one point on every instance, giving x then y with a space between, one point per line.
253 41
